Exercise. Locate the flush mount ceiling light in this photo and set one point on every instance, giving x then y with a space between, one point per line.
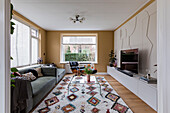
77 19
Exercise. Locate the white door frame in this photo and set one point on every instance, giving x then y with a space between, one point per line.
4 56
163 56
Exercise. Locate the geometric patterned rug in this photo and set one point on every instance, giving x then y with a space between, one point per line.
83 99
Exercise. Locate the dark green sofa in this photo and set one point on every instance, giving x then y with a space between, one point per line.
40 87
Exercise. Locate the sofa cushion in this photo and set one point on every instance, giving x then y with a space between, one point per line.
39 84
34 72
39 72
28 76
23 70
49 71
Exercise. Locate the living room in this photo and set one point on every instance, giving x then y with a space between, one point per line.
84 56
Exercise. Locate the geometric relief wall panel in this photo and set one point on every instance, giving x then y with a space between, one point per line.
131 29
146 43
119 42
151 33
140 32
123 37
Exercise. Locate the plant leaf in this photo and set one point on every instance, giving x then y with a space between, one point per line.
12 30
12 80
12 23
11 58
14 70
12 7
12 27
12 85
12 75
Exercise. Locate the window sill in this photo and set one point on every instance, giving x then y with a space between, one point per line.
80 62
27 66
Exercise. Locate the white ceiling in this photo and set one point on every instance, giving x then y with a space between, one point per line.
99 14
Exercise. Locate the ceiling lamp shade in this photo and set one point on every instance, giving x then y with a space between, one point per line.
77 19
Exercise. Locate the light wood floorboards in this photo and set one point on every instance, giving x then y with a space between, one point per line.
134 102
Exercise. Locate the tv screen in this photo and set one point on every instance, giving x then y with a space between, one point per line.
129 60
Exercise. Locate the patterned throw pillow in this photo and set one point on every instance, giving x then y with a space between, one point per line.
39 72
34 72
28 76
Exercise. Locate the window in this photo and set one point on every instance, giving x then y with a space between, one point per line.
24 45
34 39
79 48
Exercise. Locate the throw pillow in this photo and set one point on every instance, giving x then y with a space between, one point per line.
34 72
39 72
17 74
28 76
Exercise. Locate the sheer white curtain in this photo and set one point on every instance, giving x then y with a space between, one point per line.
79 40
20 45
34 50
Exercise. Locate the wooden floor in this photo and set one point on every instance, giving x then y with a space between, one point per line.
134 102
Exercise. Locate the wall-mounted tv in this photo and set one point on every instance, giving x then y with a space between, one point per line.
129 60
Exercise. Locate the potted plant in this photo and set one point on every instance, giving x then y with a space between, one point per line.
88 70
112 60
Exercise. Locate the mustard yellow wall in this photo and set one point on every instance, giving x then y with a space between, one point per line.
42 34
42 45
105 44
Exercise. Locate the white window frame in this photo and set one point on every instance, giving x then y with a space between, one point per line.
30 27
31 36
78 34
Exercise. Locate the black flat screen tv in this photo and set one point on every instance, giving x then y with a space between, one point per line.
129 60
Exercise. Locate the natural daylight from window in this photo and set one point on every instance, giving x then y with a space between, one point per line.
24 45
79 48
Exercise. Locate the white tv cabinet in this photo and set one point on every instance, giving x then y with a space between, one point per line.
147 92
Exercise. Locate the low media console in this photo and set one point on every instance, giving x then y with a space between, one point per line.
129 73
147 92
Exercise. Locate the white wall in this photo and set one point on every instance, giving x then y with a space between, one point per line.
140 32
163 56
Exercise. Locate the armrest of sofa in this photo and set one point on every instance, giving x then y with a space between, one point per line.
49 71
60 74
